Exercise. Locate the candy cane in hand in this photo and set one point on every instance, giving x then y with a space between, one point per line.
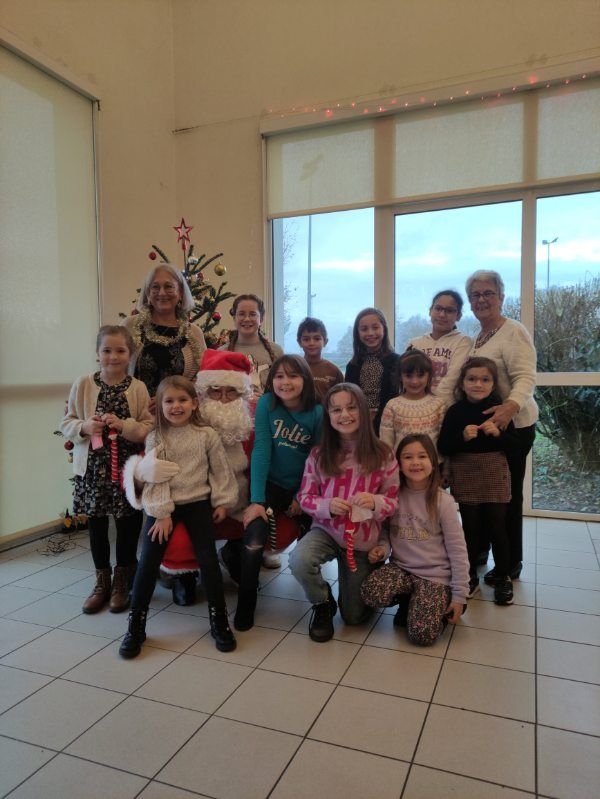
114 455
349 531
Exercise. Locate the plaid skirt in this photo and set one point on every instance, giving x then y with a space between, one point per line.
479 477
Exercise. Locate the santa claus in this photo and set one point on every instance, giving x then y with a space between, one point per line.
226 403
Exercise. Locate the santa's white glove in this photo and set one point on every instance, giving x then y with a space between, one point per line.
152 470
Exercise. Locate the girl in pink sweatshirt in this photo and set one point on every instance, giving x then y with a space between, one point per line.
349 487
428 572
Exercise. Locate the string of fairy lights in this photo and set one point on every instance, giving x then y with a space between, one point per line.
393 104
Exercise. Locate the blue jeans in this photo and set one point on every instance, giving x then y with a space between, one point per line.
306 559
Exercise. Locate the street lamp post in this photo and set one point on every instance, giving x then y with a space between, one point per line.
548 245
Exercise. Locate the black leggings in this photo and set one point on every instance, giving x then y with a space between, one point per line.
487 519
128 533
197 517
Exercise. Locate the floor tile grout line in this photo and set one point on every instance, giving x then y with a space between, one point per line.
444 657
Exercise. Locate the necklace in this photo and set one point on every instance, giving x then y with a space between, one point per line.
483 338
145 330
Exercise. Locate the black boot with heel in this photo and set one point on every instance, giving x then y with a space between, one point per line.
131 645
220 629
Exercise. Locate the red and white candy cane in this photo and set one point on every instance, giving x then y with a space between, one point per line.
349 531
114 455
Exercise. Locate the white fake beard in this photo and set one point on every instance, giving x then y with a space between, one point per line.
231 420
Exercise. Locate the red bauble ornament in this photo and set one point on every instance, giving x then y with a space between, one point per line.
68 445
152 256
216 317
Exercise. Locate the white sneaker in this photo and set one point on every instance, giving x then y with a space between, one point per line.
271 560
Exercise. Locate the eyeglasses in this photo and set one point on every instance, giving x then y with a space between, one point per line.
482 295
249 315
227 392
168 288
447 311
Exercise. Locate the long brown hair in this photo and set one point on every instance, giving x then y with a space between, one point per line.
179 383
233 335
434 485
293 364
371 453
359 349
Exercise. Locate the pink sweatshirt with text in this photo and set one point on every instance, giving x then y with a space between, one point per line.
318 489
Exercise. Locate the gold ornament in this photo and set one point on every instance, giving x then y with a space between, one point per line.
220 269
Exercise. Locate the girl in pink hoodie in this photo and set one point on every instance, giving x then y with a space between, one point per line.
349 487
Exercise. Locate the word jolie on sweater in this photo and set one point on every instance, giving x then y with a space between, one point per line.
295 434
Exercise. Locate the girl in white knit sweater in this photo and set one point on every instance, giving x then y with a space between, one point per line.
198 495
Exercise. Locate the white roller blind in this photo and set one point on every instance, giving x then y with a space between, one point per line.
49 299
465 147
321 168
520 139
569 131
48 250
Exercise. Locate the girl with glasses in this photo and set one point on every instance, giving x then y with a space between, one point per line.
445 345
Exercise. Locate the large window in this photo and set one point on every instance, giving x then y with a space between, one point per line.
437 250
386 210
566 453
324 264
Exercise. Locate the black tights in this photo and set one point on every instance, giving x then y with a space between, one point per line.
128 533
487 519
197 517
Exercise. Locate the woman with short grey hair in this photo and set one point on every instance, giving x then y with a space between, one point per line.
509 344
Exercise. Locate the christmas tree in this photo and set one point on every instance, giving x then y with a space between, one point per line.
206 297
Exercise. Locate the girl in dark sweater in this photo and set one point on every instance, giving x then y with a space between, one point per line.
478 470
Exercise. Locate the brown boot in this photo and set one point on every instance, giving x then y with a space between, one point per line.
119 598
100 594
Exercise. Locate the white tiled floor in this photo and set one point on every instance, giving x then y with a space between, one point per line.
504 706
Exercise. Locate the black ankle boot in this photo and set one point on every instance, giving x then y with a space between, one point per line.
320 626
184 589
131 645
220 629
244 613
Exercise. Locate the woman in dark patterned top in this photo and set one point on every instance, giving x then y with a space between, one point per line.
166 342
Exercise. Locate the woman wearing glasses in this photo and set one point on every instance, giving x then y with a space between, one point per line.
166 343
446 346
509 344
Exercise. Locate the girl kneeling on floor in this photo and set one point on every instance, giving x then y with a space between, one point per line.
349 487
198 495
428 572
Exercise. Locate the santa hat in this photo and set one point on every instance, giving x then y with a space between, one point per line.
224 368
